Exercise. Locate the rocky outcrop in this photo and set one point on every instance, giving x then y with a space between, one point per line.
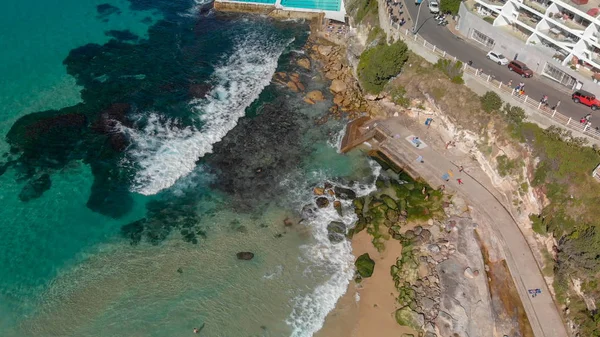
245 256
364 265
304 63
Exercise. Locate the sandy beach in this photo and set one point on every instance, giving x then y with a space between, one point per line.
374 312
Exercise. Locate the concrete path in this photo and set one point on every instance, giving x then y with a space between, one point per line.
542 312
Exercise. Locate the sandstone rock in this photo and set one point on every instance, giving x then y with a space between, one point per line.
300 86
469 273
332 75
325 50
293 87
318 191
322 202
433 248
304 63
309 101
337 86
338 207
315 96
245 256
338 99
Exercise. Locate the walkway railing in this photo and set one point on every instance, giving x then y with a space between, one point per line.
524 101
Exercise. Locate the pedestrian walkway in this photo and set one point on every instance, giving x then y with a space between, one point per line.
541 310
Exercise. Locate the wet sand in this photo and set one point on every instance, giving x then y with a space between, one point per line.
373 314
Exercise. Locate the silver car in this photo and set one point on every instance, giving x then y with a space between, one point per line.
497 57
434 7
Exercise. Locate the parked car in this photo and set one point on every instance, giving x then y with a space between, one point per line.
434 7
497 57
520 68
586 98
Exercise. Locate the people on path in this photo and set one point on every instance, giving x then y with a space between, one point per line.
446 177
442 188
460 168
460 182
420 159
510 83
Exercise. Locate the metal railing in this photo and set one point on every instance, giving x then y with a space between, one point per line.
524 101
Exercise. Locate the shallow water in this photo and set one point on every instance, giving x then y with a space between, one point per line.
123 214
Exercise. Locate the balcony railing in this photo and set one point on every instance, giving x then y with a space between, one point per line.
516 32
494 2
536 5
530 21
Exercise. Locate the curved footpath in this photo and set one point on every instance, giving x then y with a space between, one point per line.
541 310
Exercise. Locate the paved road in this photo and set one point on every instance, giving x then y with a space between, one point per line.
465 51
543 314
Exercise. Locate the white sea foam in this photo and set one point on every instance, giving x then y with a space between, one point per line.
162 151
336 260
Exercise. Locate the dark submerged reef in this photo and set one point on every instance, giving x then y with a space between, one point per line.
127 76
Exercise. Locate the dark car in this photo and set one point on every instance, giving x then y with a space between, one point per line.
586 98
520 68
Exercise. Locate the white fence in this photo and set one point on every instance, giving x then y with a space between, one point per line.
523 101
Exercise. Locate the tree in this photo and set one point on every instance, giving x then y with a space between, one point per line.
491 102
514 114
450 6
379 64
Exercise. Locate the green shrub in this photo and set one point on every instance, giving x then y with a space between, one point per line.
365 7
376 33
452 69
489 19
514 114
379 64
491 102
451 6
537 223
506 166
364 265
398 95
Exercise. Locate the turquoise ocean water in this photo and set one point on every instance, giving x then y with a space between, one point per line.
143 147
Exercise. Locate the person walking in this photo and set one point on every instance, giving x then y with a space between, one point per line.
461 168
460 182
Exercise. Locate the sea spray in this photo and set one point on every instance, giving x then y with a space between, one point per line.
163 151
336 260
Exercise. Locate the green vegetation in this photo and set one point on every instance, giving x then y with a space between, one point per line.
376 33
452 69
513 114
491 102
364 265
451 6
379 64
507 166
364 10
489 19
398 95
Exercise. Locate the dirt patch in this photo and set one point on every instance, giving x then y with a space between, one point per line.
507 308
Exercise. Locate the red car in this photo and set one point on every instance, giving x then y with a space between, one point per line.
520 68
586 98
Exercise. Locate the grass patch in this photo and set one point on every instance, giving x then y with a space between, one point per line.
507 166
376 33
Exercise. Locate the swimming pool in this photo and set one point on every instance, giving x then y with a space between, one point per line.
326 5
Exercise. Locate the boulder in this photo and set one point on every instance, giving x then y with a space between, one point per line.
338 207
304 63
245 256
433 248
315 96
364 265
360 225
359 203
392 216
469 273
344 193
309 101
338 99
322 202
293 87
318 191
325 50
337 231
337 86
389 201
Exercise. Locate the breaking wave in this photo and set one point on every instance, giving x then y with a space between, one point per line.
163 151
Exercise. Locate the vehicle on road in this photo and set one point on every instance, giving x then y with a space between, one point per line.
520 68
418 2
434 7
586 98
497 57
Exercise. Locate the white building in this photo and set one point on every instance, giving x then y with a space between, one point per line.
555 38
